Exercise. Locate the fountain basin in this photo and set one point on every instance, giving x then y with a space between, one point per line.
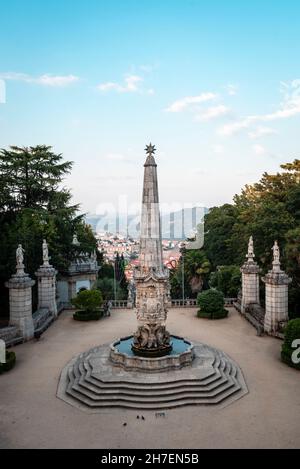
180 355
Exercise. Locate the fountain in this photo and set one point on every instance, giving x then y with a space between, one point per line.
150 369
151 339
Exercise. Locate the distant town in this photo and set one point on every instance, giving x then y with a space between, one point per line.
110 244
120 235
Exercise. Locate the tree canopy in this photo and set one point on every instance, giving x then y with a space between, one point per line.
268 210
34 205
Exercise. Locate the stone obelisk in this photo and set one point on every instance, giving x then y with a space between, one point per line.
151 277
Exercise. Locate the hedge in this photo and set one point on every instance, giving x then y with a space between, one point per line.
291 333
88 316
10 362
211 303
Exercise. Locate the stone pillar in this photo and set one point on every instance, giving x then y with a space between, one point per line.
46 275
151 277
277 284
71 288
250 279
20 299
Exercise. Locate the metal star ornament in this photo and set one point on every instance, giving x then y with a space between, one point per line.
150 149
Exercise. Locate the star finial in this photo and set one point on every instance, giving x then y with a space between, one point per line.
150 149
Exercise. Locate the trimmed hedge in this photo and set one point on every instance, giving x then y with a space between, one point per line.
88 300
88 316
10 362
291 333
211 303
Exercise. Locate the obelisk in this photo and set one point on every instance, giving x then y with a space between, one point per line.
151 277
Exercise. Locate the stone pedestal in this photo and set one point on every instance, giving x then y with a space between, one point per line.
46 275
277 285
250 279
276 300
250 284
20 303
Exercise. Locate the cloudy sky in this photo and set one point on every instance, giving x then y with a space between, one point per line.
215 85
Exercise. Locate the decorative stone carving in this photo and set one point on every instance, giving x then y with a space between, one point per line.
250 254
45 253
75 241
151 277
20 260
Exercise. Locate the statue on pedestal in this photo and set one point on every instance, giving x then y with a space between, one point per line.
276 257
20 258
45 253
250 254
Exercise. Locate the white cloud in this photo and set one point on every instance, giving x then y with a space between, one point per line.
218 149
232 89
213 113
181 104
259 149
45 80
261 132
131 85
289 107
234 127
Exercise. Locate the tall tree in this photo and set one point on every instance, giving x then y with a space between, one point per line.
35 205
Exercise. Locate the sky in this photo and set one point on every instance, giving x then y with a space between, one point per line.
215 85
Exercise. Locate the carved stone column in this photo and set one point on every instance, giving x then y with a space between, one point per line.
151 277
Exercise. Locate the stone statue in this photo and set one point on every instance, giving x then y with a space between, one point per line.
250 254
20 256
276 253
45 252
75 241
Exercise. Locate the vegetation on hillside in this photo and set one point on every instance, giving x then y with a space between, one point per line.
268 210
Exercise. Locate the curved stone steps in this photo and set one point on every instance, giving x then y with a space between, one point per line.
172 387
179 402
91 381
146 394
155 387
165 396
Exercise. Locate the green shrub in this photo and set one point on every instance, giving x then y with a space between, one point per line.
291 333
211 303
88 300
10 362
226 279
86 316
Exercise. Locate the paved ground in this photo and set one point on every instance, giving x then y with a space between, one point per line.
32 417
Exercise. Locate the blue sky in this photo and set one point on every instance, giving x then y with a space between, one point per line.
214 84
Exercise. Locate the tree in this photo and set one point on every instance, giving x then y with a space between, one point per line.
30 178
226 279
196 268
218 226
211 303
88 301
34 205
268 210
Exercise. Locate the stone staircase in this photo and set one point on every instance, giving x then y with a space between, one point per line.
91 382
